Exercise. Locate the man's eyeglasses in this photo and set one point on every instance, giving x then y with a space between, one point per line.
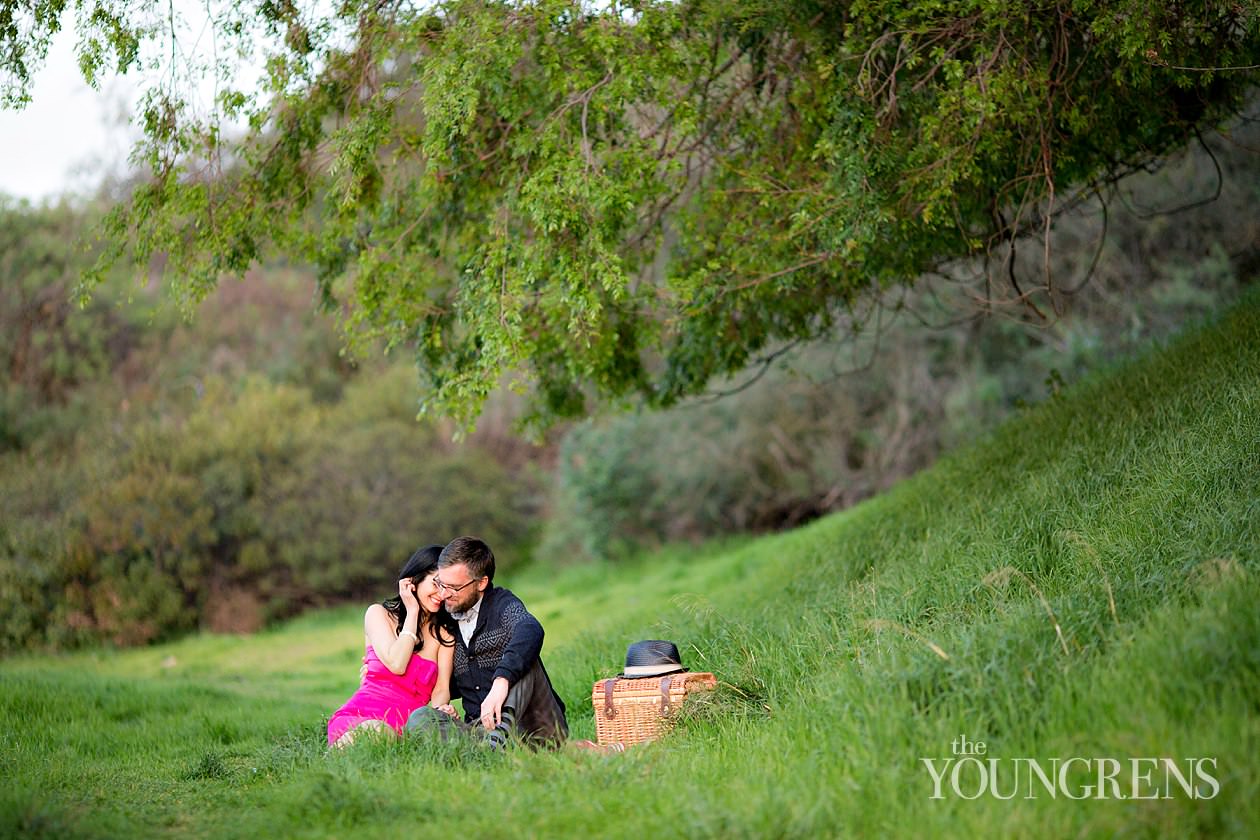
450 588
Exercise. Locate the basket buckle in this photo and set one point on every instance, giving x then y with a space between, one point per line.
666 682
610 711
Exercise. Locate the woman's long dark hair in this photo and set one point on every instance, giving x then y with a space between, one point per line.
422 564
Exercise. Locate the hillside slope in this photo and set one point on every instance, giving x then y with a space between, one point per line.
1081 585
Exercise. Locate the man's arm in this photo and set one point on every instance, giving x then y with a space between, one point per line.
525 641
524 645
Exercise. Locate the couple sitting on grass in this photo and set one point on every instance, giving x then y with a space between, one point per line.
451 628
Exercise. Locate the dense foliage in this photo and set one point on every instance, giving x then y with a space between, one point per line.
50 349
611 202
158 477
833 422
616 199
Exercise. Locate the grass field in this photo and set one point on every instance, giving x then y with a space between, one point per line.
1082 584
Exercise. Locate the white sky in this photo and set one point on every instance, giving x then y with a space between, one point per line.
69 136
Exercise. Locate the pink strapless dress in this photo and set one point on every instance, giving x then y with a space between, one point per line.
386 696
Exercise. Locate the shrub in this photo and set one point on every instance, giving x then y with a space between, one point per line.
245 504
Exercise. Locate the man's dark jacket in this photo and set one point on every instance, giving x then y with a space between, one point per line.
506 643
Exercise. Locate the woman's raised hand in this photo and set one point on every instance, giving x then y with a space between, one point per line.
407 593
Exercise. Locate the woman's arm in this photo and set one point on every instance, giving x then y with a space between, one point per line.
445 663
394 649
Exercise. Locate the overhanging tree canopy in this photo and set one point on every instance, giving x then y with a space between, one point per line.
630 198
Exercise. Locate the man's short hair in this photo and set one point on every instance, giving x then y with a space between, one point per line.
473 553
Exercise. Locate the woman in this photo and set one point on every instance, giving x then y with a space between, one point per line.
410 648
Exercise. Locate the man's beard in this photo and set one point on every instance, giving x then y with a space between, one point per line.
468 601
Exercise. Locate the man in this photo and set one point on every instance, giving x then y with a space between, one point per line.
498 673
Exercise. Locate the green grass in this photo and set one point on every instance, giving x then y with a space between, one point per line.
1124 512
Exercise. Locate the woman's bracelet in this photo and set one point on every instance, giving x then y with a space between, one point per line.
402 633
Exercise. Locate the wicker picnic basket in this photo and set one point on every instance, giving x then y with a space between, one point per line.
628 711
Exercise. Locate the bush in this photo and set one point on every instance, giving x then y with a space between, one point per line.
344 519
256 503
797 443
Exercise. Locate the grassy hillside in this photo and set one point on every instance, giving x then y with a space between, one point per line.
1082 584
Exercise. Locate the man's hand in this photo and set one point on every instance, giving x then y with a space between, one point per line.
492 706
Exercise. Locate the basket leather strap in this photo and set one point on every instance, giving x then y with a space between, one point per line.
666 682
610 711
